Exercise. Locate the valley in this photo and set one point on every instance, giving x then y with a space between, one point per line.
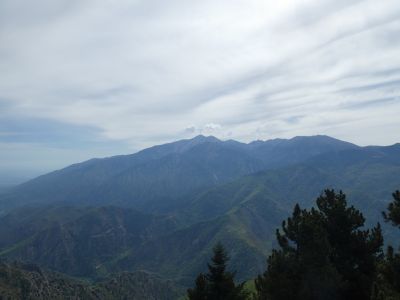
163 209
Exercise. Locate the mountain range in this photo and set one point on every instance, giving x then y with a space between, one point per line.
163 208
156 178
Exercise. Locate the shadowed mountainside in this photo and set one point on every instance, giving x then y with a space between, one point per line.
159 178
243 214
27 281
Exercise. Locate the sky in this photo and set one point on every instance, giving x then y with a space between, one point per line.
84 78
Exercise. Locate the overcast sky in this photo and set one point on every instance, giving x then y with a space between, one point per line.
82 79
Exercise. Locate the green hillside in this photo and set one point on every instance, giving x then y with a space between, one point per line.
77 241
160 178
27 281
95 241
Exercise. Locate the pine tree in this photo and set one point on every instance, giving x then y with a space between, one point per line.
393 214
355 252
388 283
323 254
301 268
200 290
218 283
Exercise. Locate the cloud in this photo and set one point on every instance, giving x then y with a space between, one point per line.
191 129
136 73
206 129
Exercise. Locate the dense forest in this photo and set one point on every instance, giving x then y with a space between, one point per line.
324 253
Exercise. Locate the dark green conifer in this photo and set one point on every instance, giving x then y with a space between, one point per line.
393 214
218 283
387 285
323 254
355 252
199 292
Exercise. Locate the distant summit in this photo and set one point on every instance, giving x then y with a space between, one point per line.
165 207
159 175
316 139
203 138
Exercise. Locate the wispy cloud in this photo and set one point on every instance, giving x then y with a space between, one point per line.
139 73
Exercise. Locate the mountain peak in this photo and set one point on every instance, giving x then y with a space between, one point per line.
321 139
203 138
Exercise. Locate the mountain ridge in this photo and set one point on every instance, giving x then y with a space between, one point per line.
184 210
155 174
260 202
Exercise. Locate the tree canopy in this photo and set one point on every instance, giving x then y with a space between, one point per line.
387 286
393 214
324 254
218 283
